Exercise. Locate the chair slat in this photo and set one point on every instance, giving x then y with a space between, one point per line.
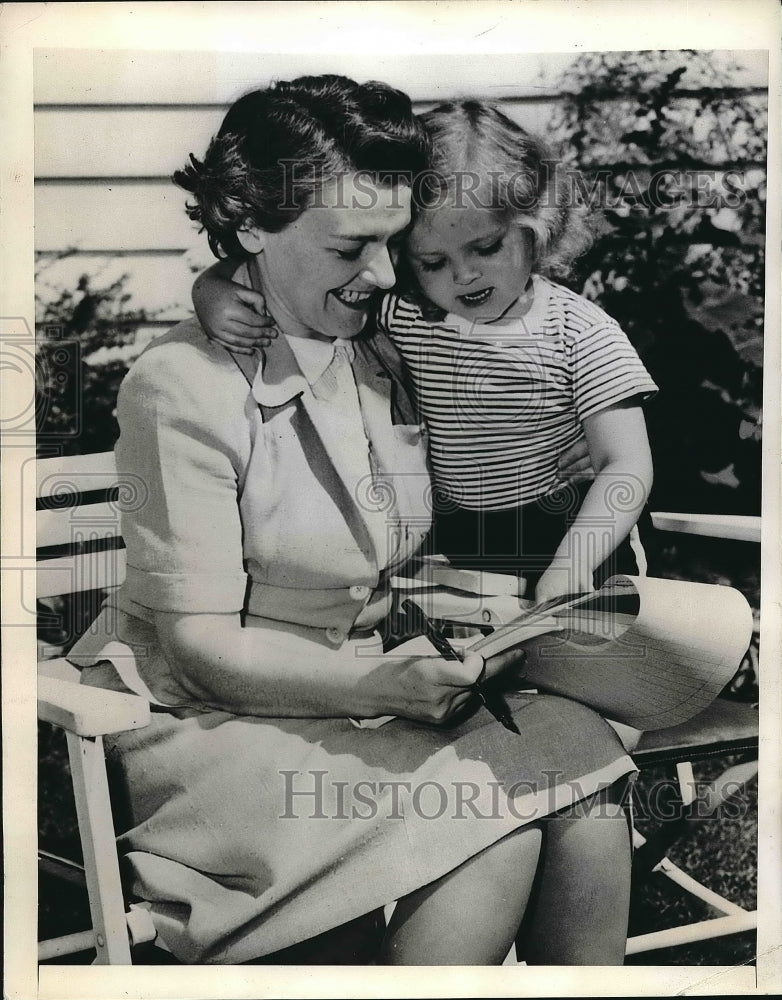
82 472
724 727
740 527
77 524
75 574
96 829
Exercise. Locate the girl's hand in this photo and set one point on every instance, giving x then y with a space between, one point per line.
575 465
558 581
230 313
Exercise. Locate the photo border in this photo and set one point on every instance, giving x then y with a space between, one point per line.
461 29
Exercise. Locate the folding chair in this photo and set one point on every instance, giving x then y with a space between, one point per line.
727 727
79 501
79 551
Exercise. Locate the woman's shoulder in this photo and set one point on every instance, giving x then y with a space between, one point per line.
182 369
182 356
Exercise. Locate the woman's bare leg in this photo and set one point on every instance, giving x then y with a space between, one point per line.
579 906
470 916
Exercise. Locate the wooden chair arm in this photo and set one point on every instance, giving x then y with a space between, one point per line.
87 711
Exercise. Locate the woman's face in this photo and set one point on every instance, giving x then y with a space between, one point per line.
471 261
322 273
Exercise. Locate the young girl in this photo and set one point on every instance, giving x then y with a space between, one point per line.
510 368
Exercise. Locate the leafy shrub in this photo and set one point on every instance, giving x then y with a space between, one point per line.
85 342
674 154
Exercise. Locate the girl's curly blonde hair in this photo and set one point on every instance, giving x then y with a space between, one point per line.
480 156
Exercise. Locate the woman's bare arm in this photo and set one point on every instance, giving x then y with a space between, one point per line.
266 672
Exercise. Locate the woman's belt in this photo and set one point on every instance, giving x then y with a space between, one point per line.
348 610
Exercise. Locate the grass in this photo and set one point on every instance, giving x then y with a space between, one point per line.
722 854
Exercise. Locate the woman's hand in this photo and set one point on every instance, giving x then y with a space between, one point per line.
230 313
423 688
266 672
431 689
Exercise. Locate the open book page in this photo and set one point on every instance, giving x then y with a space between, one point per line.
651 667
647 652
436 571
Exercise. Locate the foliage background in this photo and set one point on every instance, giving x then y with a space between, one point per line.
676 154
681 269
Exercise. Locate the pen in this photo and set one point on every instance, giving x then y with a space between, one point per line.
492 702
430 630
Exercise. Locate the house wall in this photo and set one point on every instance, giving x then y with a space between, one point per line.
111 127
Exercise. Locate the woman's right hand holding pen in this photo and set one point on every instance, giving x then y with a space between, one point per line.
431 689
428 689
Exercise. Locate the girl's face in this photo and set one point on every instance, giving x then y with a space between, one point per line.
471 261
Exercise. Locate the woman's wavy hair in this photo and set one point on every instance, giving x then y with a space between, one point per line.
277 146
480 156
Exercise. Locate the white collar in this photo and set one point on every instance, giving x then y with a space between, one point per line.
314 356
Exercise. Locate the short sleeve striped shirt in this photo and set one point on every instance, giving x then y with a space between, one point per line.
503 401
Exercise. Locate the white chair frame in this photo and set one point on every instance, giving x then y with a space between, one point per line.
87 714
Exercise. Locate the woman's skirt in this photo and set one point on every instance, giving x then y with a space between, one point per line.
248 835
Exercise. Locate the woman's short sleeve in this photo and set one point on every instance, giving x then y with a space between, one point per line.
179 438
606 369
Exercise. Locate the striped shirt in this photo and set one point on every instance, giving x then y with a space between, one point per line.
502 402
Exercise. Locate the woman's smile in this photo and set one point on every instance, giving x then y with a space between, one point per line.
320 275
353 299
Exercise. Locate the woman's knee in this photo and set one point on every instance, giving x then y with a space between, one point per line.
610 802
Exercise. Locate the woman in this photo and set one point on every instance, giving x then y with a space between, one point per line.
281 500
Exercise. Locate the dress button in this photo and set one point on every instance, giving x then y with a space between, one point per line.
359 592
334 635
